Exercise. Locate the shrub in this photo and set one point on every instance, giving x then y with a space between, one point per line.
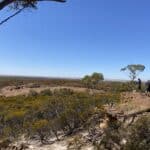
32 93
41 129
46 92
14 123
41 115
63 92
139 135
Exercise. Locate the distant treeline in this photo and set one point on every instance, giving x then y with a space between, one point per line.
18 80
103 85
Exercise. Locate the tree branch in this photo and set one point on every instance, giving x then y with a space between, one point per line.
127 116
137 113
5 3
16 13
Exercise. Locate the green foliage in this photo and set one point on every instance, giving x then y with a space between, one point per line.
40 124
96 77
41 128
118 136
32 93
63 92
93 80
107 86
87 81
113 134
43 115
134 70
18 81
139 135
15 115
46 92
125 87
17 4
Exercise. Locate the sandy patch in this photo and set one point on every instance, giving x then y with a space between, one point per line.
134 101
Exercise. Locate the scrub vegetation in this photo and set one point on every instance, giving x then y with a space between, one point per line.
104 115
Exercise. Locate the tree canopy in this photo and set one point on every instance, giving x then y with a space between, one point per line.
93 79
20 5
134 70
23 3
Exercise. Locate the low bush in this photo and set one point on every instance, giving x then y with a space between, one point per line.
32 93
139 135
43 115
46 92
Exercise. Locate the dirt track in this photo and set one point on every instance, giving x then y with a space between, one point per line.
131 101
24 90
11 91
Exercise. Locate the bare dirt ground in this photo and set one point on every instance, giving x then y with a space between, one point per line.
62 144
134 101
131 103
10 91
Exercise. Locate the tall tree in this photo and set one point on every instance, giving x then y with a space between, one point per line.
86 80
134 70
96 78
93 80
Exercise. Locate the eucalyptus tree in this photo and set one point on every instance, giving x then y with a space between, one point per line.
96 78
92 80
86 80
134 70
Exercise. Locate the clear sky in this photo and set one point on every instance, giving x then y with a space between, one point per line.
77 38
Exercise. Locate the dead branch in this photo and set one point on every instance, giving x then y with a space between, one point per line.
117 116
136 113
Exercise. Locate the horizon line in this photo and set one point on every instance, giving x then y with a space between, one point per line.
58 77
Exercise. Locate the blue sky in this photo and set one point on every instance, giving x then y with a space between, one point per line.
77 38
